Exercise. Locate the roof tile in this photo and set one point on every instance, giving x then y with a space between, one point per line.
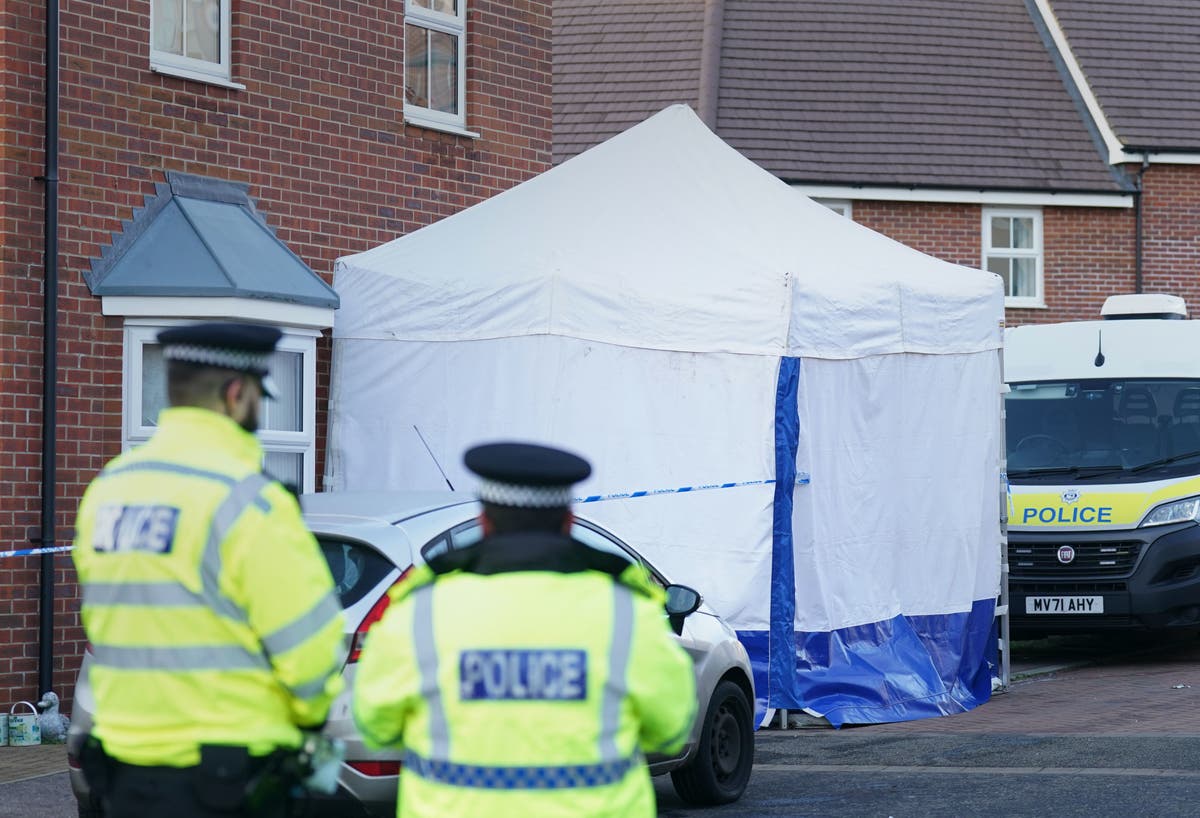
875 92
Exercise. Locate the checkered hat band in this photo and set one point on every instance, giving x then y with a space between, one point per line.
256 362
512 494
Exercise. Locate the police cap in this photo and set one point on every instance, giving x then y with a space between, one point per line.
525 475
240 347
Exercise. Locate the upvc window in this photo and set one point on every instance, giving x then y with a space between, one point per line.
842 207
190 38
287 425
1012 248
435 60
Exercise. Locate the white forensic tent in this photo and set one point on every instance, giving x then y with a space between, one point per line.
802 415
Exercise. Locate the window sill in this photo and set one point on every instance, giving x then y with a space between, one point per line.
433 125
1024 305
197 76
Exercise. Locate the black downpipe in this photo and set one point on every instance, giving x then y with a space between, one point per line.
50 358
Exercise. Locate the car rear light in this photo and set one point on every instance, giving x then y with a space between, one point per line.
373 616
376 769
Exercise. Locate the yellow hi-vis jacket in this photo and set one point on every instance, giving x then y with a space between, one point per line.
210 611
518 691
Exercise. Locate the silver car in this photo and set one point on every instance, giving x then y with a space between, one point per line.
371 539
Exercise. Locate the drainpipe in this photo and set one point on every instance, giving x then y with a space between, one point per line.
49 357
710 61
1137 228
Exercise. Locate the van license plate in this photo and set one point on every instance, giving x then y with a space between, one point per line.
1064 604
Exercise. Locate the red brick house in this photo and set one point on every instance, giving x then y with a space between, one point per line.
1056 142
213 159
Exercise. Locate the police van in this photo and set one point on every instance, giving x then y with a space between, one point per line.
1103 463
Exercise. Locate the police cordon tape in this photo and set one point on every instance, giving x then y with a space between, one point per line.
32 552
801 479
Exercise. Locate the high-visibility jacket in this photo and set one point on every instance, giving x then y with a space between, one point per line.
211 613
527 680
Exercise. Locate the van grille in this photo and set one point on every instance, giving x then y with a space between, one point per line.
1041 588
1028 560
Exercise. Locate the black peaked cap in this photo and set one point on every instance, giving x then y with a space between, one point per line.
244 347
525 474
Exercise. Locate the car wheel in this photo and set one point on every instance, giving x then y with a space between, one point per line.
721 767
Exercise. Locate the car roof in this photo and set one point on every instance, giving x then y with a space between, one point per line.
381 506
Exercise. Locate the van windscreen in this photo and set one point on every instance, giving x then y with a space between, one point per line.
1057 426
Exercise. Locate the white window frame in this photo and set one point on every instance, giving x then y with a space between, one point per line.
842 207
177 65
1037 252
456 25
142 332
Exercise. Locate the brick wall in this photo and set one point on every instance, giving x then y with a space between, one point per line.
1171 248
317 134
1089 251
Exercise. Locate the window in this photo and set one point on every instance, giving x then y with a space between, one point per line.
435 57
841 207
356 569
287 426
1012 248
190 38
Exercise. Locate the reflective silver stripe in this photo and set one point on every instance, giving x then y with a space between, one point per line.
199 657
174 468
617 684
240 496
298 630
427 665
165 594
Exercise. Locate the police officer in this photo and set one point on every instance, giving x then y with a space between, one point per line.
214 628
527 674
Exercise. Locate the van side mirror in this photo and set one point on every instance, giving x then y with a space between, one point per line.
682 601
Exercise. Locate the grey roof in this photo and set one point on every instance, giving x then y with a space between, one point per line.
202 237
1142 61
936 93
619 61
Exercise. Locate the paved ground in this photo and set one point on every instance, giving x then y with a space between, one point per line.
1104 687
17 763
1074 689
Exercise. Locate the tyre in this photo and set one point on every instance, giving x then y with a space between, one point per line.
721 767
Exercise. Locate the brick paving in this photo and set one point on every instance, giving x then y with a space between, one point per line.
18 763
1128 696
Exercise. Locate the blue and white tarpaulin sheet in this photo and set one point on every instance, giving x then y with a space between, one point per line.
752 337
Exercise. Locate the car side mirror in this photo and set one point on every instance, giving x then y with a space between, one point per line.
682 601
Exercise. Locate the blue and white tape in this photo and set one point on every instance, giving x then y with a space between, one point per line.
33 552
802 478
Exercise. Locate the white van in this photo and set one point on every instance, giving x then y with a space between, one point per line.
1103 441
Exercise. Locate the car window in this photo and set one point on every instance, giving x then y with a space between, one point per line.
471 532
356 568
460 536
602 541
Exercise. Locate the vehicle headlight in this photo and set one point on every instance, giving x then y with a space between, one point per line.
1176 511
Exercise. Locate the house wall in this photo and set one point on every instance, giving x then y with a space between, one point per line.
318 136
1171 248
1089 251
